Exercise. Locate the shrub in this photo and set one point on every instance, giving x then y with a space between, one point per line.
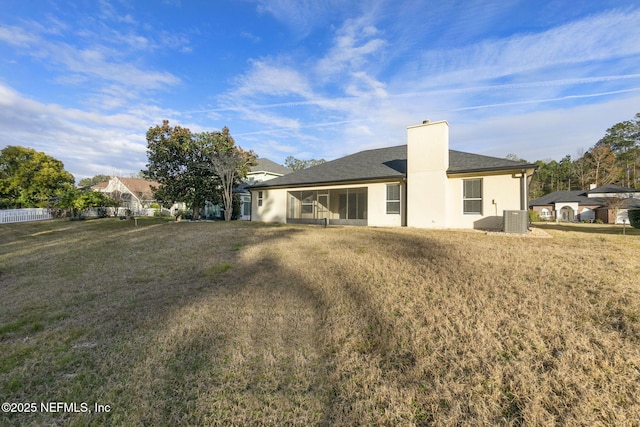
533 216
634 218
237 207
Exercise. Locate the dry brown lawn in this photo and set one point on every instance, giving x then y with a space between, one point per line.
241 324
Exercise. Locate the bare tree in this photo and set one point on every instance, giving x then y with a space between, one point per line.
603 162
228 162
614 204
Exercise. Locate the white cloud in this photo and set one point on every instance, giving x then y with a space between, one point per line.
590 39
107 54
538 135
355 44
303 16
272 78
17 36
79 138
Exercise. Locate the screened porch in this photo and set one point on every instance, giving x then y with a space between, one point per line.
344 206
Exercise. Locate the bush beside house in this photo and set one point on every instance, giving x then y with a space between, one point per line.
634 217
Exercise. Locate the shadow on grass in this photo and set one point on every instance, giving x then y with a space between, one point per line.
209 324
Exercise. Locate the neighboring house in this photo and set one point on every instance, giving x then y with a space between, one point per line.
134 194
264 170
422 184
608 203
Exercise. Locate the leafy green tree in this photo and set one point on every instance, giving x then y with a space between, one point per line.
92 199
624 141
177 160
297 164
29 178
76 202
97 179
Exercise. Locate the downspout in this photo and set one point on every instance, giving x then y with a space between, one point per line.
250 210
404 205
523 190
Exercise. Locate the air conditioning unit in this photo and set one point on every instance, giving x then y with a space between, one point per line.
516 222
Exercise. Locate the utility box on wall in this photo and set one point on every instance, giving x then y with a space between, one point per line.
516 222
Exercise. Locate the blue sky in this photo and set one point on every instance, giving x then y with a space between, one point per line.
83 80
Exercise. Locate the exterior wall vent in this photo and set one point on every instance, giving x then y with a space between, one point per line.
516 222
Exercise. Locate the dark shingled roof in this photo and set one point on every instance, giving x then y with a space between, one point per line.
579 196
266 165
612 188
384 163
582 198
461 162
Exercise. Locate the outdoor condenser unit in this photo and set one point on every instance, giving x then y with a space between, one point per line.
516 222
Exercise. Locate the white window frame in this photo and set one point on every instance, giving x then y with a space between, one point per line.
260 197
393 201
472 198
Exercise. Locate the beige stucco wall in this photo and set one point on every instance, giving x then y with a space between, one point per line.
499 193
274 204
427 162
377 201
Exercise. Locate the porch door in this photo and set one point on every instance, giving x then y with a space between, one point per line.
322 211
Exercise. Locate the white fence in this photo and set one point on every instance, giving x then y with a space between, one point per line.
24 215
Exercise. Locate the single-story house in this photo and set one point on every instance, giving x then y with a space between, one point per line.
608 203
421 184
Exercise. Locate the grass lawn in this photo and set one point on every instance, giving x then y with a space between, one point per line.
238 324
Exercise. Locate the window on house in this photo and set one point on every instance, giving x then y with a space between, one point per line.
246 206
393 198
259 198
472 196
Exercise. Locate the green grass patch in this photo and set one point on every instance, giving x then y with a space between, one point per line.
216 270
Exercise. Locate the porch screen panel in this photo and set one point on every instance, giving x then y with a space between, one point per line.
312 205
361 204
308 203
353 203
294 205
301 204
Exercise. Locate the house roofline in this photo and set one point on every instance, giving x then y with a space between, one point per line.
328 183
498 170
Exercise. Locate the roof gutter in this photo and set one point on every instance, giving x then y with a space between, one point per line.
498 170
328 183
